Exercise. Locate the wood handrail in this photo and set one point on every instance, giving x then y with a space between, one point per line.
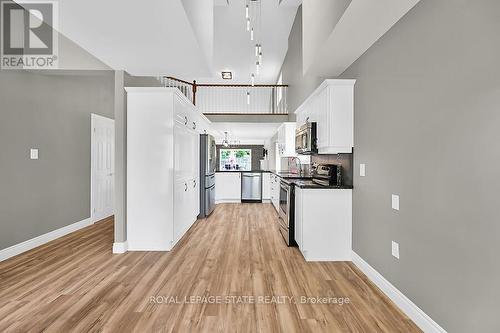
240 85
195 85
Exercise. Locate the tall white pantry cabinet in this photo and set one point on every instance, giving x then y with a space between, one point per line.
163 129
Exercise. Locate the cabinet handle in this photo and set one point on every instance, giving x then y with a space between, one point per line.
194 125
185 120
185 187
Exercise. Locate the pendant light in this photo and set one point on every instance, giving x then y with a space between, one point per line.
225 143
248 97
252 79
257 65
251 34
246 12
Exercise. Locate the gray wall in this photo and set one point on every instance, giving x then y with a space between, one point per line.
257 154
51 113
427 125
299 86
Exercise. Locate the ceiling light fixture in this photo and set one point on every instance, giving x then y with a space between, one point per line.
253 14
225 143
227 75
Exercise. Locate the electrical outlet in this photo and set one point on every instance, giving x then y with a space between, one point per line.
395 249
34 154
362 170
395 202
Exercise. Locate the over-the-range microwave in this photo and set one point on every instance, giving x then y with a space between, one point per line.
306 139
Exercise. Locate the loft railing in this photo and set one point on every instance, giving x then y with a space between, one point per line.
234 98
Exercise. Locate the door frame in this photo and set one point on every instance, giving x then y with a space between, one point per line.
93 118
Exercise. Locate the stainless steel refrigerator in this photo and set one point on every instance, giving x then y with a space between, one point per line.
208 165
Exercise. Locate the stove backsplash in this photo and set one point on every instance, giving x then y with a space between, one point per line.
344 159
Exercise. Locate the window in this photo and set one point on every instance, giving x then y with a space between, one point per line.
236 159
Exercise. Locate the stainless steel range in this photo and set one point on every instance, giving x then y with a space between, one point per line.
287 212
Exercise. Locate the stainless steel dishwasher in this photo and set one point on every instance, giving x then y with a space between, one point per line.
251 187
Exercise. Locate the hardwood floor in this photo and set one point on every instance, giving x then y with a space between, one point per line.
75 284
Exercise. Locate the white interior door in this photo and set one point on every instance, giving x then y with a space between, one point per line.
103 167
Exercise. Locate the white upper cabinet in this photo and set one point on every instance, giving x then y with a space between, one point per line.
331 106
286 140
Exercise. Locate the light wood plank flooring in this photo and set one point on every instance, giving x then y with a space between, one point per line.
75 284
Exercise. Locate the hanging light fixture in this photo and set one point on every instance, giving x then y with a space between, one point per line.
257 65
246 12
248 24
260 57
248 97
256 50
251 34
225 143
252 79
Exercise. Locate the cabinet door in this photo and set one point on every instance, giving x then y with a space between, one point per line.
180 212
266 186
321 117
228 186
298 218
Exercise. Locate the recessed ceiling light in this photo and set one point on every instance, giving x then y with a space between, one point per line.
227 75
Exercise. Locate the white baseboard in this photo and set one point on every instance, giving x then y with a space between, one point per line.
419 317
42 239
120 247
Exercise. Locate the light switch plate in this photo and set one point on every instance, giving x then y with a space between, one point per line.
362 170
395 249
34 154
395 202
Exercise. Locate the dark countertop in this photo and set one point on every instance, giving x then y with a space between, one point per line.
254 171
309 184
303 181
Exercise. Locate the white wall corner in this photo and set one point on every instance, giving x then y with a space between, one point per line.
43 239
120 247
419 317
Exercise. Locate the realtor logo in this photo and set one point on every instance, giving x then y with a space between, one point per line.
29 35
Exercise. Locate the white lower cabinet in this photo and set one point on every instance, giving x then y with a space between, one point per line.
227 187
162 167
323 224
275 190
266 186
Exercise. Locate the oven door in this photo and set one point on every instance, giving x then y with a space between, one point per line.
284 205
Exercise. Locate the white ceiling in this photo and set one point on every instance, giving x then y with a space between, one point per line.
142 38
180 38
361 25
246 133
233 49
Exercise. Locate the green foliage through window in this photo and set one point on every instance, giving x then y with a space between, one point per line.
236 159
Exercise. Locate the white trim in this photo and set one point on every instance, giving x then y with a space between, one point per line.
221 201
418 316
42 239
120 247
